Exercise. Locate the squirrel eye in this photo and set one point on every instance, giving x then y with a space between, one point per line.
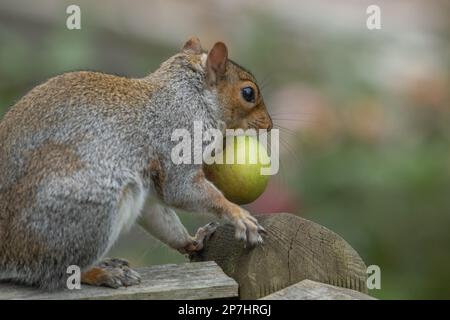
248 94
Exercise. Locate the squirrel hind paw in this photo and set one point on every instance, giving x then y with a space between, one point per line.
198 241
113 273
205 232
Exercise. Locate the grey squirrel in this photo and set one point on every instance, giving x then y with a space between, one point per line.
85 155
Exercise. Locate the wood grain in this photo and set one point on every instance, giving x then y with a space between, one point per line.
295 249
311 290
203 280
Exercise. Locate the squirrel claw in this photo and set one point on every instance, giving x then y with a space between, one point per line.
248 229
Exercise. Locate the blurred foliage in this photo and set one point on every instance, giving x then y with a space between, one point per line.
369 160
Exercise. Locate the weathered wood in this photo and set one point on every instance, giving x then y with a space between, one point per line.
312 290
295 249
204 280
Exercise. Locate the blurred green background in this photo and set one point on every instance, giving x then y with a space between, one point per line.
364 115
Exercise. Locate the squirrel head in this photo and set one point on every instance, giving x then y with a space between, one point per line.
237 91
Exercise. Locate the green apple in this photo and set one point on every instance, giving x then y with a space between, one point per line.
240 181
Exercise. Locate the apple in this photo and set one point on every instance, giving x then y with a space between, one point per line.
240 183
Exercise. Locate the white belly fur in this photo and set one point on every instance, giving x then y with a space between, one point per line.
131 206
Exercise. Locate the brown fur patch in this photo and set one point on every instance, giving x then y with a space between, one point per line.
157 175
108 94
94 276
199 177
219 204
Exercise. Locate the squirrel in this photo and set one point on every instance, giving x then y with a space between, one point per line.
86 155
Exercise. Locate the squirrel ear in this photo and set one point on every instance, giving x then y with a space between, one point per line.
193 45
216 63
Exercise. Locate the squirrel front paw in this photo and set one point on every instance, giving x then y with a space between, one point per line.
113 273
247 227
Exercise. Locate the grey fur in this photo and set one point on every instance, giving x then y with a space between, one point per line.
70 148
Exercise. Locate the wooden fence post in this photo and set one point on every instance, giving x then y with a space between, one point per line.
295 249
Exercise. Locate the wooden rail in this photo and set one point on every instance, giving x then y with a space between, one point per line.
299 260
311 290
202 280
